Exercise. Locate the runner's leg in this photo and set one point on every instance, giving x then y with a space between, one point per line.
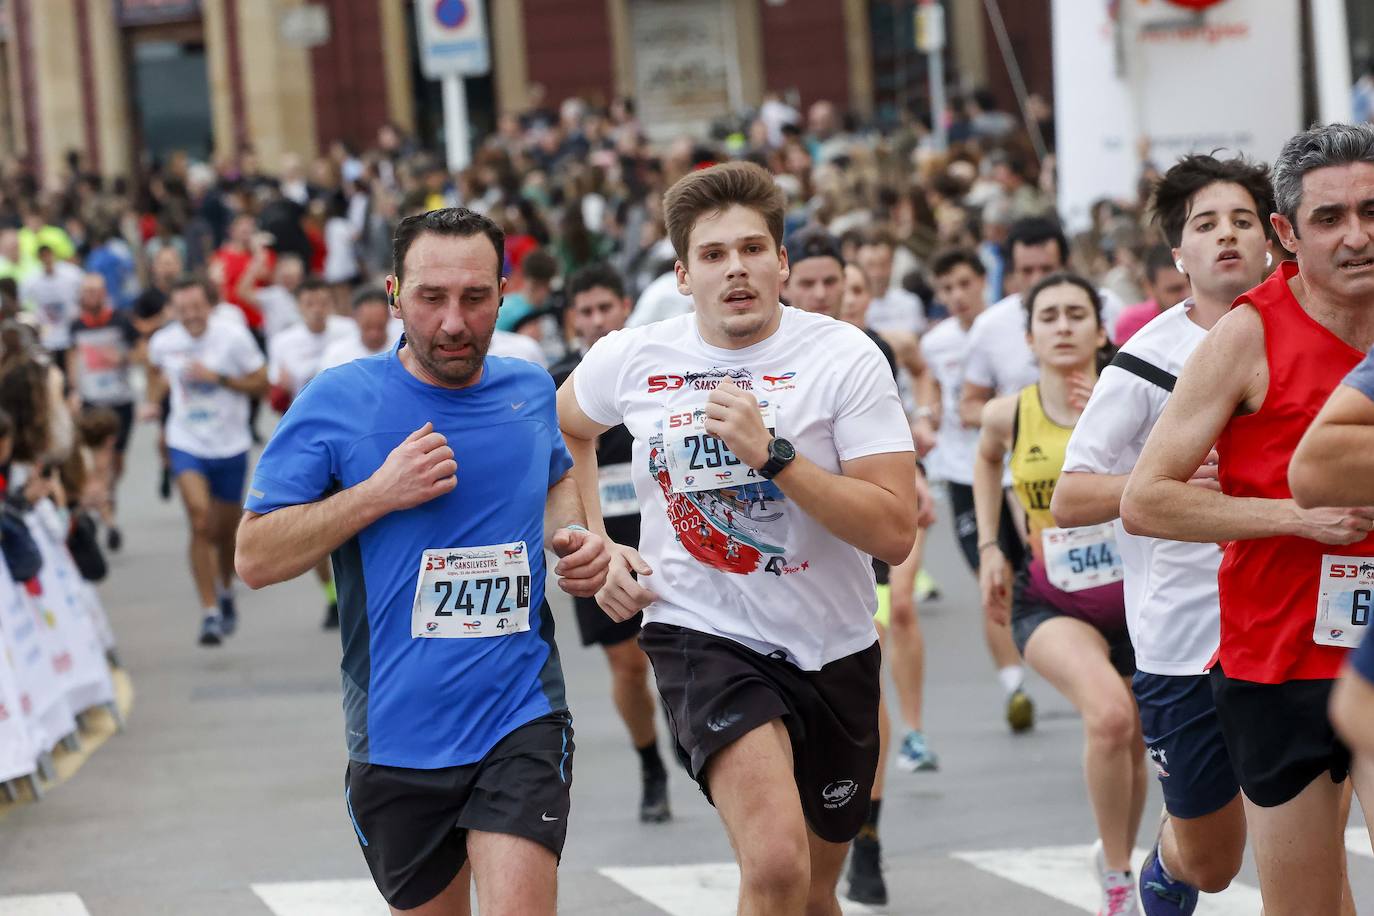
826 861
755 791
227 516
907 660
1073 656
195 497
1205 852
514 876
454 900
1300 851
630 690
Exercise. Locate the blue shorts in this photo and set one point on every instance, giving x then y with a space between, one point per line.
225 475
1183 738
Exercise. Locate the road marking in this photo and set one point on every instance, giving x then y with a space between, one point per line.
1066 873
44 905
322 898
1357 842
694 890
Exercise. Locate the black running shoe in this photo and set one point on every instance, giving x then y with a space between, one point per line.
164 487
211 633
331 616
653 804
114 540
228 615
866 884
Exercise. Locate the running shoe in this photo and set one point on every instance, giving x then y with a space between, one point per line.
331 616
1118 896
1020 711
1099 857
114 540
866 884
1161 895
653 803
915 755
927 589
228 615
211 633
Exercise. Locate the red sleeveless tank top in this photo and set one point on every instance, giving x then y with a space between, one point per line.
1269 586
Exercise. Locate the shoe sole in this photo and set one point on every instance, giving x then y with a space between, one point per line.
1021 714
907 766
210 640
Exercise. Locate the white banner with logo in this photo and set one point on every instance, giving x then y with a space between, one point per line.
64 603
1228 76
18 743
34 648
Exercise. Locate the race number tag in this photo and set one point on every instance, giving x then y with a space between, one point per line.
699 461
1081 558
472 592
617 491
1344 601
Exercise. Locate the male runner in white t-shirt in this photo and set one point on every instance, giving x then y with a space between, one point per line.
1215 214
758 622
376 330
211 366
294 357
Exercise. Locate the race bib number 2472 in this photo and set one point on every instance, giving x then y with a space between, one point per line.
472 592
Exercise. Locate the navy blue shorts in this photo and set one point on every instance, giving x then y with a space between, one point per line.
1178 717
225 475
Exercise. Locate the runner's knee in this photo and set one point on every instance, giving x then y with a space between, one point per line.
776 868
1110 723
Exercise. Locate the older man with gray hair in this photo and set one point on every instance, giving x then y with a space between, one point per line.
1295 584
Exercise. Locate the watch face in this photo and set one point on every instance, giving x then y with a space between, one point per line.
783 450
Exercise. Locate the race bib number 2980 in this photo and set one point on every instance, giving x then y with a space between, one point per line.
472 592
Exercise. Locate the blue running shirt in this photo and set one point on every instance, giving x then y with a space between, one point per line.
412 702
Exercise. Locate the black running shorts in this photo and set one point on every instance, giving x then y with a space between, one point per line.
598 629
966 528
715 691
1279 736
412 824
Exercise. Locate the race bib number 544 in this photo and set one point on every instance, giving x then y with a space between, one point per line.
472 592
1345 601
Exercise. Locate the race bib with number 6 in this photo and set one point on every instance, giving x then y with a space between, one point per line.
472 592
699 461
1344 601
1082 558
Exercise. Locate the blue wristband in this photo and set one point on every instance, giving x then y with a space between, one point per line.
576 528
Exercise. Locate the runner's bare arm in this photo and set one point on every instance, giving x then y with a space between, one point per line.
1081 498
1331 465
1351 700
993 444
972 399
583 555
155 391
1225 374
283 544
254 384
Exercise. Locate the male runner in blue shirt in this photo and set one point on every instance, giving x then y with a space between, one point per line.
435 475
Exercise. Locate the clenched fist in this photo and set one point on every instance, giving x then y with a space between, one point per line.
733 416
416 471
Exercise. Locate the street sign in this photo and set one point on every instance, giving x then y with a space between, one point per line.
930 28
453 38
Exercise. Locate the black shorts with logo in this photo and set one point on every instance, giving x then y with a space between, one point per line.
1279 736
966 528
715 691
412 824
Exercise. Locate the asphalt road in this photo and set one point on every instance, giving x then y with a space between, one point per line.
228 780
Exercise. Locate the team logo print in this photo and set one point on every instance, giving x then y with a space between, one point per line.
1367 570
515 554
839 793
1160 758
1036 453
779 382
431 626
659 383
1337 634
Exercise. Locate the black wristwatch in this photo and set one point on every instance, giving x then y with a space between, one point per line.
780 455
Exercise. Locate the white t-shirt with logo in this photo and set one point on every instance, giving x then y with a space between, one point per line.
207 420
743 563
54 300
279 309
294 355
518 346
1171 586
1000 358
896 310
945 347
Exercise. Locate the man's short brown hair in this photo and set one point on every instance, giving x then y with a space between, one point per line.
717 188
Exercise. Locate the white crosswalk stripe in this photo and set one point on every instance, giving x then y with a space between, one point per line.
44 905
1066 873
1357 842
694 890
322 898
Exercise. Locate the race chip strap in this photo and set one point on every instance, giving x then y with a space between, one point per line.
1344 601
697 460
1082 558
472 592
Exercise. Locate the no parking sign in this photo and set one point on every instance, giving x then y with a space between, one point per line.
453 38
